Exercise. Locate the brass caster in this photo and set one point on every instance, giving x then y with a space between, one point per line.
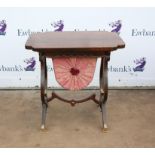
105 128
43 128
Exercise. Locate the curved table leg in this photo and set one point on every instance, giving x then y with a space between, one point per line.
42 59
104 88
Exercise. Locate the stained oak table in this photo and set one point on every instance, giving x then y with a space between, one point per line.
98 44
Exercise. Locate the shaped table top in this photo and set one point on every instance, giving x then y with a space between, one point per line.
77 41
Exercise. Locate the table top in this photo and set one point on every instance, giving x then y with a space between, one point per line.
77 41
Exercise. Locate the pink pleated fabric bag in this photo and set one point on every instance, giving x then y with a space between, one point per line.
74 73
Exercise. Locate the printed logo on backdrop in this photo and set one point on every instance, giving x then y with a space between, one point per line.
28 32
3 26
58 26
142 32
140 63
13 68
138 66
116 26
30 64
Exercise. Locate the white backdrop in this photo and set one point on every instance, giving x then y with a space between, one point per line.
132 66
